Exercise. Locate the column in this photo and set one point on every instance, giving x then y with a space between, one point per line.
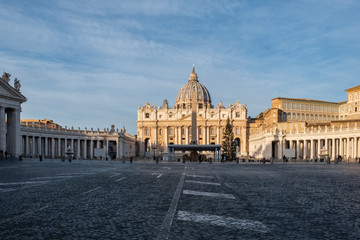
2 130
341 147
72 144
353 151
180 135
176 135
348 154
218 135
356 149
27 145
207 135
204 135
117 148
166 137
305 149
311 149
59 147
33 146
280 150
46 146
52 147
297 149
121 148
92 149
107 147
326 146
318 148
78 146
85 149
39 146
13 132
333 152
187 135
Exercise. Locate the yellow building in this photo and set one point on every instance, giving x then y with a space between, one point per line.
159 127
314 129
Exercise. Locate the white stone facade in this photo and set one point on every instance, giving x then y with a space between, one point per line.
159 127
10 108
314 142
54 142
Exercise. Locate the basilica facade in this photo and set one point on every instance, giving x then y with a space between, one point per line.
310 129
159 127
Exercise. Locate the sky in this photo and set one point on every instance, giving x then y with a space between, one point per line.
92 63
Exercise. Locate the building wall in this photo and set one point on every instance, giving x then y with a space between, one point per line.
54 141
161 126
313 128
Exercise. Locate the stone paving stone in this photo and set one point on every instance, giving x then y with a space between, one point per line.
82 200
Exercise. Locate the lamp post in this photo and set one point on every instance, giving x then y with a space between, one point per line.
153 148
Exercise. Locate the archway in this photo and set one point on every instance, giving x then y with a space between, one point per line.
147 145
112 149
237 145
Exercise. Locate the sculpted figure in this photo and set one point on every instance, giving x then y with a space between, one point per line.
17 84
6 76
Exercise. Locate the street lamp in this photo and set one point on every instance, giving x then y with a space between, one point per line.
154 148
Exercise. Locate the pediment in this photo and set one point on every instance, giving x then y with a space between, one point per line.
8 92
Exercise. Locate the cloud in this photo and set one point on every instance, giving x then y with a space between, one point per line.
91 63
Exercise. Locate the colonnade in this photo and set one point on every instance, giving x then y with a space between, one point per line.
82 144
10 130
55 147
346 147
343 142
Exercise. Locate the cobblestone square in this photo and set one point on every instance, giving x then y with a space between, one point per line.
145 200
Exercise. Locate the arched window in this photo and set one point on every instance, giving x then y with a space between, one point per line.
303 116
298 116
171 131
307 116
312 117
288 116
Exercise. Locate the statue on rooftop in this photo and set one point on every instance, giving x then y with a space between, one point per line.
6 76
17 84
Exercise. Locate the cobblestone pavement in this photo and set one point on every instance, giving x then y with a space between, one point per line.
115 200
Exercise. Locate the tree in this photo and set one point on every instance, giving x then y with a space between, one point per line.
228 143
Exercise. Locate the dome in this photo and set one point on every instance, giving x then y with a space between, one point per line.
184 97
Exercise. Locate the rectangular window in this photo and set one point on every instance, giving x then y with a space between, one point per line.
237 114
